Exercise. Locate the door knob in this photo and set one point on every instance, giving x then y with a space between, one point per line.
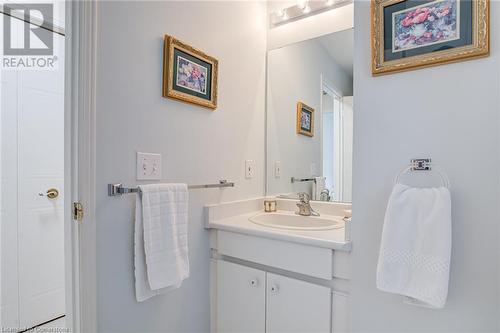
51 193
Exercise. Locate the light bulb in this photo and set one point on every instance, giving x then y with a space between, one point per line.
302 4
282 14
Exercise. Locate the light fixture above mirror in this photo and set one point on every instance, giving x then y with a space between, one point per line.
304 9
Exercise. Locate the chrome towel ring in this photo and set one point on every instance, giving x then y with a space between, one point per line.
423 164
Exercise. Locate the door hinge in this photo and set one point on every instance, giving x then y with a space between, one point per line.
77 211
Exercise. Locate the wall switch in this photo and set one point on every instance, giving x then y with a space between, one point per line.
249 168
148 166
277 169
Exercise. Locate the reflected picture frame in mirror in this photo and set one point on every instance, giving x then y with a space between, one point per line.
305 119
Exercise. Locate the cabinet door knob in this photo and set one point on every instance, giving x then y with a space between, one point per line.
274 289
254 282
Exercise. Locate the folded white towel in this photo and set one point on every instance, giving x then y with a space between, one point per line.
415 250
161 249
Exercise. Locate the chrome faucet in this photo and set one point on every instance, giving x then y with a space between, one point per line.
305 208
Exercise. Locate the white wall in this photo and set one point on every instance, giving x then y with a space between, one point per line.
198 145
294 74
451 114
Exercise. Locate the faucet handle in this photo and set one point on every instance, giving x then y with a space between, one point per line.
304 197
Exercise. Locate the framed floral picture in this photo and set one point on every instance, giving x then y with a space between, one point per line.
410 34
189 75
305 119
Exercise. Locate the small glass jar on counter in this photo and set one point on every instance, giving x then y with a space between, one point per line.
270 205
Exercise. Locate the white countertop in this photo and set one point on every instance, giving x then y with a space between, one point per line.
332 239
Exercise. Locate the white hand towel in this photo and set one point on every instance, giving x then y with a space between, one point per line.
415 250
318 186
161 249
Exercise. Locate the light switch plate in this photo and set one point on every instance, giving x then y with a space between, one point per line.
249 168
312 169
277 169
148 166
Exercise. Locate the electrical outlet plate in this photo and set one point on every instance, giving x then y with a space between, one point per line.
249 168
312 169
148 166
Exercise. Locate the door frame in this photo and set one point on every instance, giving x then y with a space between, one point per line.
80 237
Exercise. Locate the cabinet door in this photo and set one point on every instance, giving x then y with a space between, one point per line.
340 318
241 297
296 306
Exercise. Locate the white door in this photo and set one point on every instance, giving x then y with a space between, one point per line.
240 298
296 306
32 136
347 141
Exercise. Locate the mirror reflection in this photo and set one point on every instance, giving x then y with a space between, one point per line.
310 118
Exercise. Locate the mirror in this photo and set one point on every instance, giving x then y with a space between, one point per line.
310 118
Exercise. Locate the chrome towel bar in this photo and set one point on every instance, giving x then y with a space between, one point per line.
118 189
299 180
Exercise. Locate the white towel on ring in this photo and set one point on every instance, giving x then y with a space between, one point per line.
415 250
161 250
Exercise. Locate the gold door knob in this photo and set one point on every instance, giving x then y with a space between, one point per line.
51 193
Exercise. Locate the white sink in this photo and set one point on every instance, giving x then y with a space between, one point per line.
286 220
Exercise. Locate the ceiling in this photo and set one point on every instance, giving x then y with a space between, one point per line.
340 47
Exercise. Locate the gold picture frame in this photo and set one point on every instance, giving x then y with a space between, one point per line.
189 75
305 119
480 46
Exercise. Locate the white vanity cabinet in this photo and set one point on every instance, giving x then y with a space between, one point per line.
251 300
270 285
241 297
296 306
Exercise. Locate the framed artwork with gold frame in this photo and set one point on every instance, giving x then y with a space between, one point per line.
189 74
305 119
412 34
